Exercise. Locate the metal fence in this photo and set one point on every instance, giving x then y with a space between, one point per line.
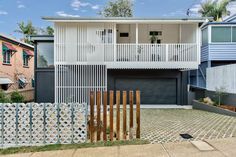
40 124
222 77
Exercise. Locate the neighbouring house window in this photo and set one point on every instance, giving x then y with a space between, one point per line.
124 34
25 60
45 55
4 86
7 52
221 34
6 57
22 82
234 34
205 36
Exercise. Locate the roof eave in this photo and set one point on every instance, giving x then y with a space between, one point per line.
127 20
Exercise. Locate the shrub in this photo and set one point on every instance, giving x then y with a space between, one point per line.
16 97
4 98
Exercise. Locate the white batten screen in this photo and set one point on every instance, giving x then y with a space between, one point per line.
74 82
79 60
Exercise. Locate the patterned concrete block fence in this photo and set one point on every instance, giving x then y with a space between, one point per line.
40 124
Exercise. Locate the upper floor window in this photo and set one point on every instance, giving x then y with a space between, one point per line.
6 57
205 36
234 34
26 57
221 34
7 51
45 55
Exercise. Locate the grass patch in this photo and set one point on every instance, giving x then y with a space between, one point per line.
30 149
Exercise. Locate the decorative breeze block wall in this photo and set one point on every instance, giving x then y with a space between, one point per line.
40 124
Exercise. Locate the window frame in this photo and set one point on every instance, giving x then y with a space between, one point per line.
36 55
223 25
208 36
6 57
25 60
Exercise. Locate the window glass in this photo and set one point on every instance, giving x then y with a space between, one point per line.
234 34
205 36
221 34
124 34
25 60
6 57
45 55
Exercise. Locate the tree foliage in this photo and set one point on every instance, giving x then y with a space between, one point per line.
28 29
215 9
49 30
118 8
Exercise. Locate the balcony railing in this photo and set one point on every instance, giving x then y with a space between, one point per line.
151 53
130 53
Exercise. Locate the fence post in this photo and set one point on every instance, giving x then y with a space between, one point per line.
104 115
91 116
111 94
117 115
138 114
124 114
131 103
98 100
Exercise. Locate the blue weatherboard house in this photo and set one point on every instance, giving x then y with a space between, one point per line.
218 47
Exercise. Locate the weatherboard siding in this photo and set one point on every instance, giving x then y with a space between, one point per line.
204 53
218 52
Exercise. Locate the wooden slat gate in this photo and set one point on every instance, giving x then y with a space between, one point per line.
100 126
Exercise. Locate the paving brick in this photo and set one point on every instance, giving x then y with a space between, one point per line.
165 125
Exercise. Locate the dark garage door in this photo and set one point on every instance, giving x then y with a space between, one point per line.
153 91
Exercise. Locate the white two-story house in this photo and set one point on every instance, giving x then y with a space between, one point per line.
149 54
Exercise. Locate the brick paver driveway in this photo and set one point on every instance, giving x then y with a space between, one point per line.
165 125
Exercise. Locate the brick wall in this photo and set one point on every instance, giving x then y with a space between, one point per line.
16 68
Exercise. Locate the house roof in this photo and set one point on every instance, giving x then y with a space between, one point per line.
36 38
15 41
125 19
231 18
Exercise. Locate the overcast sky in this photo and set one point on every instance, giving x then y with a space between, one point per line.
14 11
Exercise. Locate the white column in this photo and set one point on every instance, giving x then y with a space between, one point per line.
115 42
137 40
180 33
198 42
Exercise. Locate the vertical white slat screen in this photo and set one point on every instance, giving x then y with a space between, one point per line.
75 73
74 82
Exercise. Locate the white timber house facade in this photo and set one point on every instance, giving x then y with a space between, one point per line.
149 54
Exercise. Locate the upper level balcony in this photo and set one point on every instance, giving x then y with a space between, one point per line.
129 45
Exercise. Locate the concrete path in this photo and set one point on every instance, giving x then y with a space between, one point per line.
209 148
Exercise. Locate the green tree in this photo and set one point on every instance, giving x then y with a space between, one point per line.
118 8
215 9
26 29
49 30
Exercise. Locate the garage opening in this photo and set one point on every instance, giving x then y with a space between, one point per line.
153 90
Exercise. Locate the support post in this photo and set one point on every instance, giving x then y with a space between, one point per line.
124 114
137 40
138 114
117 115
98 101
115 42
104 115
111 94
91 116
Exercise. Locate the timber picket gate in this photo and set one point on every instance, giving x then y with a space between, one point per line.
98 126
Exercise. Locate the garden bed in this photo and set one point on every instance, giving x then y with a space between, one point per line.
210 108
